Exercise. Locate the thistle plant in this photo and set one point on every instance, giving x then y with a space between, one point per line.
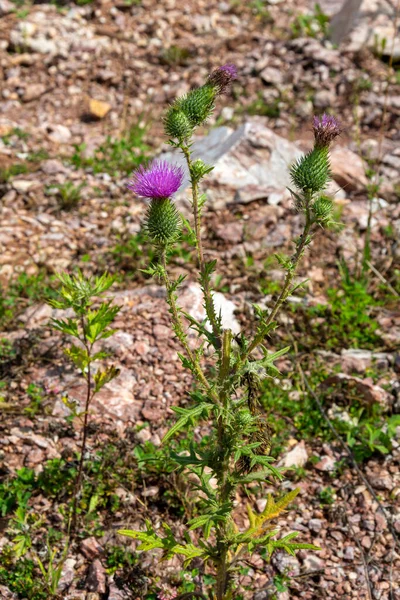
89 323
226 395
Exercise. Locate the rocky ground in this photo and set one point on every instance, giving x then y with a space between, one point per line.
83 90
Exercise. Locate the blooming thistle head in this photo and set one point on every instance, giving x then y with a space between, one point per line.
326 129
222 77
156 181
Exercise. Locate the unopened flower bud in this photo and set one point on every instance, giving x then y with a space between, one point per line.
198 104
176 123
163 222
322 209
311 173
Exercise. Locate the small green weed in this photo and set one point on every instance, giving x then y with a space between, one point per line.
175 55
9 172
15 132
327 496
24 290
117 558
264 109
366 429
69 194
311 25
21 576
16 491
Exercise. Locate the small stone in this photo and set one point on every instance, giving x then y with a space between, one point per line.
324 98
58 133
230 232
98 109
5 593
96 578
381 481
327 463
151 491
272 76
315 525
91 548
286 564
348 169
141 348
297 457
68 573
161 332
115 593
348 554
313 563
33 91
6 7
355 359
22 186
52 167
144 435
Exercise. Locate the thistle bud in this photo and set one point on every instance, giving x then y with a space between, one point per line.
311 173
163 222
198 104
177 124
322 209
199 169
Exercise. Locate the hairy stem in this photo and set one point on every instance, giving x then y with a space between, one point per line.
224 469
178 325
208 300
290 274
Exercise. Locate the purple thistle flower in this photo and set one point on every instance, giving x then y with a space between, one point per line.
326 129
158 180
230 69
222 77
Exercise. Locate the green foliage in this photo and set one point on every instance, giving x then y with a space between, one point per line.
264 109
150 540
175 55
117 557
20 134
314 25
36 396
89 324
21 576
327 496
69 194
22 291
367 429
116 156
9 172
237 453
346 321
16 491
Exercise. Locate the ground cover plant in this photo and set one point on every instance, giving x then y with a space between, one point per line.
238 453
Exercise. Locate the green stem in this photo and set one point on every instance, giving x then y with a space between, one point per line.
291 272
223 470
177 322
208 300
